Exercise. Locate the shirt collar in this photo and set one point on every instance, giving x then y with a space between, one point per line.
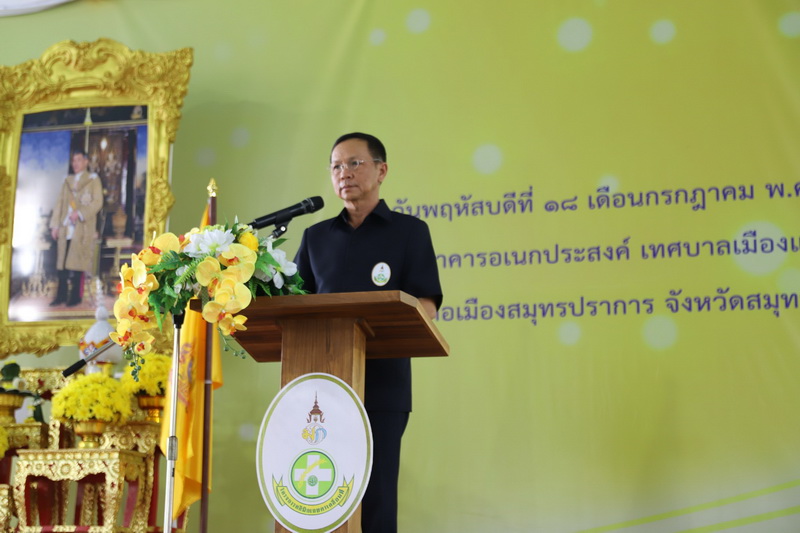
381 211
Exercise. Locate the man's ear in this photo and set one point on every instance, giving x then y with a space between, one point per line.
384 169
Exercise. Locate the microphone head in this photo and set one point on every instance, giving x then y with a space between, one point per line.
314 203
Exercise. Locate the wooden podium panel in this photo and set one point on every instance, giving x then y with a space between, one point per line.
334 334
394 323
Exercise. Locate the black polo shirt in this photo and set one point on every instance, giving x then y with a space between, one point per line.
388 251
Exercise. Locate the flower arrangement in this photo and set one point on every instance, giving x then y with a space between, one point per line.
152 378
92 397
224 266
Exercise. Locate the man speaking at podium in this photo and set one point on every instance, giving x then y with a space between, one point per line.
368 247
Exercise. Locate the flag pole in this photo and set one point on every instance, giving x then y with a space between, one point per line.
208 384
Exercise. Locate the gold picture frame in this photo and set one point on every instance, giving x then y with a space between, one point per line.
103 80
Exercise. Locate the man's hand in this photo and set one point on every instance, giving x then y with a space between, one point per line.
74 217
54 233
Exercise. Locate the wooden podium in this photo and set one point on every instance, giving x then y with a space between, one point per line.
334 333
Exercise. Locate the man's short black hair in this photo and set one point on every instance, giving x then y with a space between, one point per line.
374 145
80 152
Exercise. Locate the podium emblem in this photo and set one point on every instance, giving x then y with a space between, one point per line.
314 466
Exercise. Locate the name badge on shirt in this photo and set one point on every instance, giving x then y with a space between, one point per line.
381 274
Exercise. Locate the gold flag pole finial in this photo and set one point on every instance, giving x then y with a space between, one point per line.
212 188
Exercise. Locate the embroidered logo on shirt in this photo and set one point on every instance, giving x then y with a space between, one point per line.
381 274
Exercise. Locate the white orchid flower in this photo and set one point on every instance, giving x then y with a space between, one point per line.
287 268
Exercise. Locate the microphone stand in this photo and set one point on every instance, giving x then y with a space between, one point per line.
280 229
172 442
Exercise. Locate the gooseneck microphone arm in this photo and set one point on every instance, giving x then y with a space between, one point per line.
80 364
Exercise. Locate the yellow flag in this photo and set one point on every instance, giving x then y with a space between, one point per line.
190 397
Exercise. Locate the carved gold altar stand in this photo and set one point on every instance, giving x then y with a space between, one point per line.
29 435
102 470
126 458
32 436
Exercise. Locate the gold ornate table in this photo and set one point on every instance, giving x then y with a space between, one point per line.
141 436
32 435
41 485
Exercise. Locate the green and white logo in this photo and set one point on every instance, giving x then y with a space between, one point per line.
381 274
313 466
313 474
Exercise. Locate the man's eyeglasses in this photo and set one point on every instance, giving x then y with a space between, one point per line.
338 168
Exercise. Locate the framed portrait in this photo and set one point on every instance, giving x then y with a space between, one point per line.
85 139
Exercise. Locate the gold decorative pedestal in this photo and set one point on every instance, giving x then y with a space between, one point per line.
8 404
41 485
32 435
152 406
90 432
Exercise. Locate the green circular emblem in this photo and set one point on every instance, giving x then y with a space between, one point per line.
313 474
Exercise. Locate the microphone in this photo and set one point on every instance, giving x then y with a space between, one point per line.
309 205
82 363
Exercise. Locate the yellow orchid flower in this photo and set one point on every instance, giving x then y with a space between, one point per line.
131 332
209 273
230 324
136 276
240 273
143 343
234 295
241 257
237 254
231 297
123 333
166 242
213 312
132 305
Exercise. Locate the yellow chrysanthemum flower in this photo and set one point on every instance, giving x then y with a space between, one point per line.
249 240
92 397
153 376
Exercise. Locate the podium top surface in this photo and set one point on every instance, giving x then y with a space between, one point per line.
395 323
